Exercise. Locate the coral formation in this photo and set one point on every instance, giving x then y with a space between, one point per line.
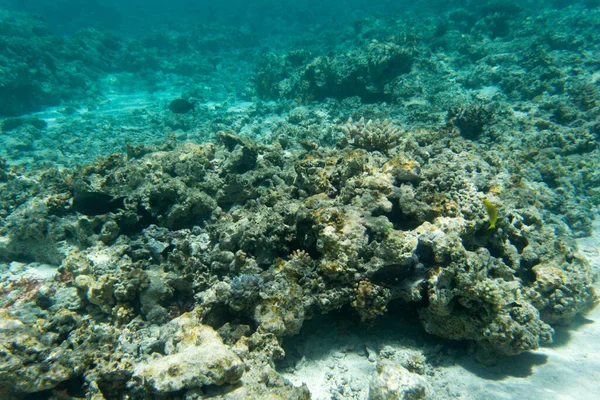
274 242
194 357
472 120
368 73
443 172
371 135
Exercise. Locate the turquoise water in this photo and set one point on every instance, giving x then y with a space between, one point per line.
328 200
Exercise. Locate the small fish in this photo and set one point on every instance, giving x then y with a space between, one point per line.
492 212
181 106
96 203
392 275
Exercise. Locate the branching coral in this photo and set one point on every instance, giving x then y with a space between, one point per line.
370 300
371 135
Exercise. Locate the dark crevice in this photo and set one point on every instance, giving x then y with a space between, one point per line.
425 254
400 220
305 240
73 388
221 315
519 242
97 229
112 388
20 258
476 240
483 238
525 272
401 320
144 219
399 308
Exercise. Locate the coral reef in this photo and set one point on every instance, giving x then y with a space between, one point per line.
39 68
34 70
368 72
443 170
472 120
236 233
194 357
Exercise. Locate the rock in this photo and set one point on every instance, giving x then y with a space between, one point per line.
196 358
395 382
20 371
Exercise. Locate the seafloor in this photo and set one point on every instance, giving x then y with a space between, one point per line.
380 205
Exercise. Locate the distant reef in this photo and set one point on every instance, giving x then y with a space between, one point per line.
39 69
435 56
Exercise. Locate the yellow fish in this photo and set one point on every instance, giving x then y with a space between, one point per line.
492 212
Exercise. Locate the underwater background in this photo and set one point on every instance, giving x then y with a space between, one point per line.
299 199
